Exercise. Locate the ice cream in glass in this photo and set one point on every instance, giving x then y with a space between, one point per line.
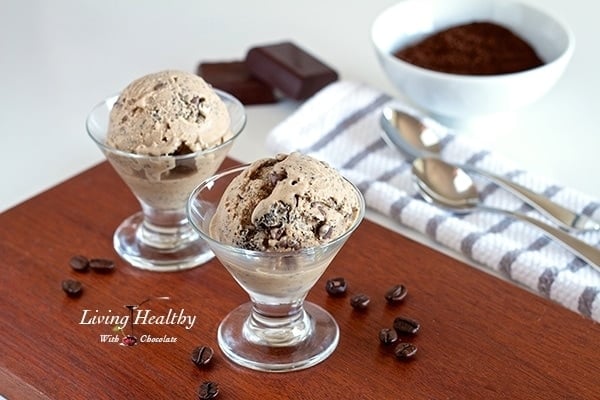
164 134
276 225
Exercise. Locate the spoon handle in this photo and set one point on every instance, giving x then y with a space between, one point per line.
586 252
562 216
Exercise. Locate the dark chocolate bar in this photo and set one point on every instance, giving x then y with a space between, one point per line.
287 67
234 77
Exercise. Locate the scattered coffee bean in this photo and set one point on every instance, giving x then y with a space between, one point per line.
336 286
208 390
405 351
388 336
72 287
396 293
202 355
360 301
102 265
406 326
79 263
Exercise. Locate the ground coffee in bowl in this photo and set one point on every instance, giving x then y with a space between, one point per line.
477 48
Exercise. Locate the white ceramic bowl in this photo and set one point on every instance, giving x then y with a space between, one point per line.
464 96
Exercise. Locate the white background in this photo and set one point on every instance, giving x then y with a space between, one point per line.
59 58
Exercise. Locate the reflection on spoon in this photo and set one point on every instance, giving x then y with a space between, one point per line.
453 189
411 136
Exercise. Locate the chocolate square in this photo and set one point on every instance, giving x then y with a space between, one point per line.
234 77
289 68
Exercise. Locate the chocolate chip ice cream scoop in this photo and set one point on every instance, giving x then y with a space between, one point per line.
168 113
285 203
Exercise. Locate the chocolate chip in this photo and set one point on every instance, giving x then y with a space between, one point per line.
388 336
336 286
202 355
276 233
278 214
72 287
325 231
291 244
396 294
197 100
406 326
208 390
405 351
79 263
182 149
102 265
320 206
276 176
360 301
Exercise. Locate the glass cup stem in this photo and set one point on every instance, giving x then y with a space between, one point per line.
165 229
160 237
299 339
160 240
279 325
277 330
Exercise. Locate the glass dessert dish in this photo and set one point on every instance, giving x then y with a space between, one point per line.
160 237
277 331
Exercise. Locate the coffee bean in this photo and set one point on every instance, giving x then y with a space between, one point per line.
360 301
336 286
72 287
208 390
388 336
396 294
405 351
406 326
202 355
79 263
102 265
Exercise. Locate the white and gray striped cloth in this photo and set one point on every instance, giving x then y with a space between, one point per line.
340 125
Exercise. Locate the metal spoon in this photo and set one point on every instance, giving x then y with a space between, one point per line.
415 139
453 189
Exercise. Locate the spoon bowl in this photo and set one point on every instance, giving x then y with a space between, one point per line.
416 138
445 185
452 188
409 134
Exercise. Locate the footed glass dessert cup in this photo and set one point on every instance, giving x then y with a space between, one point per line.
160 237
277 331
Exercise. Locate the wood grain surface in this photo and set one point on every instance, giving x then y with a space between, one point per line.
481 338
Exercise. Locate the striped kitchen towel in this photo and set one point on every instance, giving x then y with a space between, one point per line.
340 125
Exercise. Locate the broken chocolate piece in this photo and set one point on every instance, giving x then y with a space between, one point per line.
292 70
234 78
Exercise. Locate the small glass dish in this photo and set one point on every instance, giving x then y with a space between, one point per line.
277 330
160 237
